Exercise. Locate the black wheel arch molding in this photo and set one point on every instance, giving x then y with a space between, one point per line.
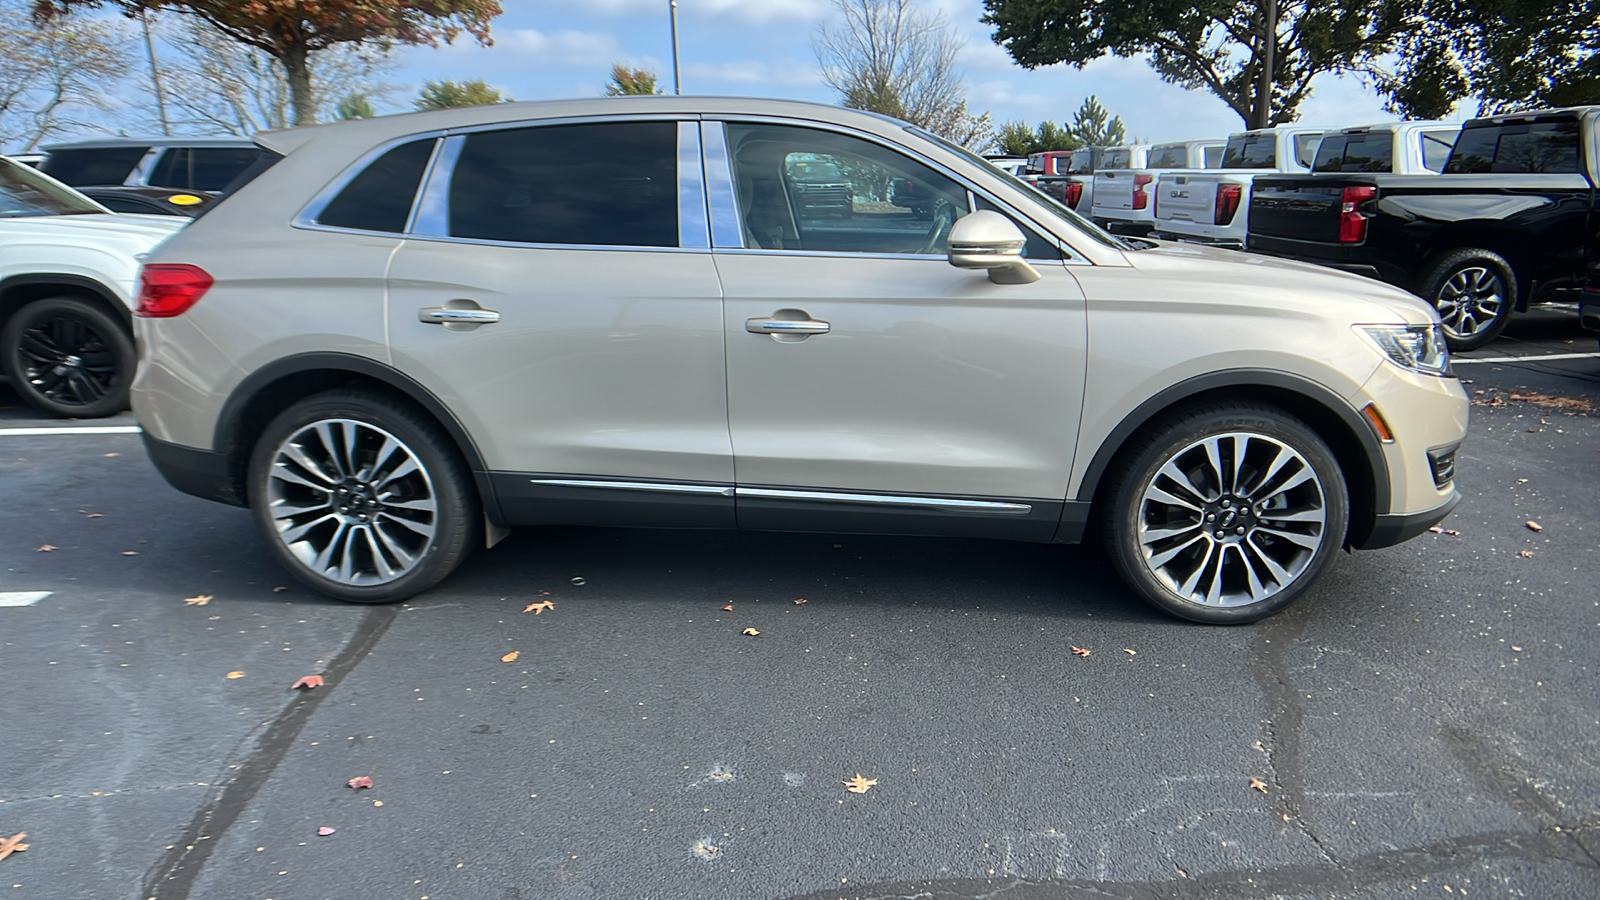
13 293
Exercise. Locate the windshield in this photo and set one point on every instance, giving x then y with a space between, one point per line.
1059 209
24 192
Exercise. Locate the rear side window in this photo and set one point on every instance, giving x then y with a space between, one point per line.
1305 148
1372 152
103 165
1251 151
201 168
1519 148
1171 156
556 185
379 199
1436 150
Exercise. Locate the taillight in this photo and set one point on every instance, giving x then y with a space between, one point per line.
1140 198
1227 203
169 289
1352 224
1074 193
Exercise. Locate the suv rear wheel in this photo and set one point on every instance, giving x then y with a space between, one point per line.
1227 513
362 498
69 357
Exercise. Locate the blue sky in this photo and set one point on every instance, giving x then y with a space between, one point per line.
546 49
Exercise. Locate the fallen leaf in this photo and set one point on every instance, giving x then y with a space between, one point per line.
1130 652
1522 481
309 682
1534 526
109 455
1452 532
799 601
236 674
512 656
750 631
130 553
1080 651
1259 785
1525 554
1436 530
539 606
728 608
1516 649
46 548
359 783
324 831
859 785
12 844
201 600
279 589
91 515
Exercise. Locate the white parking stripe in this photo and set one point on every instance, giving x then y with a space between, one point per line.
71 429
22 598
1461 360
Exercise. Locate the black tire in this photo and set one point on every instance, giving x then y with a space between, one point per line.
1474 291
1172 556
353 504
69 357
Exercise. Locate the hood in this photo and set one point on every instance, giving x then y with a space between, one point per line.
90 226
1285 281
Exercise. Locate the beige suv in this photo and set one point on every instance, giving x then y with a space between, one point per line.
412 332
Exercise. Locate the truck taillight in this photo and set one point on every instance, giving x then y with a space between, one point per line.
1074 193
1227 203
1140 198
1352 224
169 289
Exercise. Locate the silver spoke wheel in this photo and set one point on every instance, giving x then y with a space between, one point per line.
1232 519
1469 301
351 502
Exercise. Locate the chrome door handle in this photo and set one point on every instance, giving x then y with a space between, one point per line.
444 315
786 326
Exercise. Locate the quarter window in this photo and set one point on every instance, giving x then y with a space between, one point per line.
606 183
379 199
805 189
1436 151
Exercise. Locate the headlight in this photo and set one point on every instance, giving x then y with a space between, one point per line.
1420 348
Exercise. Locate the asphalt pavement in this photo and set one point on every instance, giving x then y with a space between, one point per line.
1423 723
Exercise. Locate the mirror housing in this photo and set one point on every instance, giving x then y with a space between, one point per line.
988 240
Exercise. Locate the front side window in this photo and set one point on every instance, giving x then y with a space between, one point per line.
805 189
379 199
602 183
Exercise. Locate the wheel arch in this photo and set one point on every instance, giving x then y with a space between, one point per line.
1496 238
18 291
270 390
1351 438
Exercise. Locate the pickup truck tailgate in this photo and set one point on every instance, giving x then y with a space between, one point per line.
1187 198
1113 189
1298 209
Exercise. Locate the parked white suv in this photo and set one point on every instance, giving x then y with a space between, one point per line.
414 331
1213 206
66 293
1122 195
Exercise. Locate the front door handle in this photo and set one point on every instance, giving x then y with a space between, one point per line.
446 315
786 326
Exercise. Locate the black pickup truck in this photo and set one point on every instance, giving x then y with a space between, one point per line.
1513 217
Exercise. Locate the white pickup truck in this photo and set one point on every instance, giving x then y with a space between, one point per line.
1211 206
1402 148
1122 193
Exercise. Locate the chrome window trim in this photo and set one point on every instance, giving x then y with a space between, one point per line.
660 487
722 200
517 124
422 186
140 175
694 227
431 212
516 245
945 503
307 219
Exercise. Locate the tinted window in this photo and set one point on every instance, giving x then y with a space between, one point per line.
1084 161
24 192
201 168
1305 148
1169 156
1117 159
1251 151
1522 148
1436 150
108 165
379 199
130 205
886 202
1372 152
611 183
1213 157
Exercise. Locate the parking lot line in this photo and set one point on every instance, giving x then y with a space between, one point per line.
1463 360
22 598
71 429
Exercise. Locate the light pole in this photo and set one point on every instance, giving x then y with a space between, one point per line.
677 86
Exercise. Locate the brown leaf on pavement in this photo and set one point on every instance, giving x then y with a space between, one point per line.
1525 554
859 785
358 783
1080 651
1533 526
728 608
324 831
750 631
1259 785
539 606
201 600
309 682
12 844
46 548
236 673
512 656
799 601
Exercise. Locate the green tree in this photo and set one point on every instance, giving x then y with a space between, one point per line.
355 106
626 82
1017 139
1053 137
449 94
1094 126
291 30
1219 45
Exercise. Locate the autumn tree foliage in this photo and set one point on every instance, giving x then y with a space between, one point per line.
627 82
449 94
291 30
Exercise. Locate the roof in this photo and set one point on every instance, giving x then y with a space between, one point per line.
172 141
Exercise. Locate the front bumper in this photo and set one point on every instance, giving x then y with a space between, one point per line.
1391 529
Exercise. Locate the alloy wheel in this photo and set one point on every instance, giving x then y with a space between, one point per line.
1469 301
67 361
1232 519
352 502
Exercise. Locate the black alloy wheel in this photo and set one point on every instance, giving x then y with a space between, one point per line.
69 357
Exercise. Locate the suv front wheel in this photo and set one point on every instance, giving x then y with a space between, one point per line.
361 497
1227 513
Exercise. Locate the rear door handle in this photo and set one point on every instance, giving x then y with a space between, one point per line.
445 315
786 326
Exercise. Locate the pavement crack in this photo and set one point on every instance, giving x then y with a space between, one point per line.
174 875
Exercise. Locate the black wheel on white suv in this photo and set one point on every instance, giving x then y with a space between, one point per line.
1474 292
69 357
1226 513
361 497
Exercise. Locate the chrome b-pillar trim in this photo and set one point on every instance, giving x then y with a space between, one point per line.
694 232
721 197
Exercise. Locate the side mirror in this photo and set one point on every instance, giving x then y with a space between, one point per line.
988 240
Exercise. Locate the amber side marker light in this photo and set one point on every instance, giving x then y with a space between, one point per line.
1378 424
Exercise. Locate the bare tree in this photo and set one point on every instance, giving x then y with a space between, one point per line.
890 57
51 74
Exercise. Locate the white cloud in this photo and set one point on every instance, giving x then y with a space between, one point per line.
750 72
568 47
754 11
